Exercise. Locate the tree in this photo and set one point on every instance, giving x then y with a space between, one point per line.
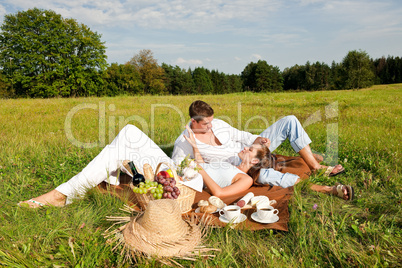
358 70
150 72
45 55
235 83
122 79
177 81
261 76
335 76
202 81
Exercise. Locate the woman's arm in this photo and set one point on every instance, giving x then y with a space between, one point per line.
240 183
191 139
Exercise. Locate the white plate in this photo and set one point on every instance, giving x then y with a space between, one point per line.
238 220
259 199
273 219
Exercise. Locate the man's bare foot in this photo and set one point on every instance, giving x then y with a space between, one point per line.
52 198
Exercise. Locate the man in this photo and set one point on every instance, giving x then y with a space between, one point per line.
217 141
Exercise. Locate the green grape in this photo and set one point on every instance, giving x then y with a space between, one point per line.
153 191
155 196
142 184
159 196
143 191
135 190
160 186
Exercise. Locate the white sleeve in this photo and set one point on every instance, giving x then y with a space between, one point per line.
182 148
244 137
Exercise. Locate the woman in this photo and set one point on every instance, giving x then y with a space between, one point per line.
132 144
230 181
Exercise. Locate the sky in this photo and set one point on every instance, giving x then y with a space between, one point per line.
226 35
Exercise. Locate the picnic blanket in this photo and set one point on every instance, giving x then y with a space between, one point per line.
294 165
279 194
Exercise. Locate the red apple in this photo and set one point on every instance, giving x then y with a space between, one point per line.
164 174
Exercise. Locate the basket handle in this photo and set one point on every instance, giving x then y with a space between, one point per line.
175 176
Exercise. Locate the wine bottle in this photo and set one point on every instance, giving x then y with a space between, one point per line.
137 177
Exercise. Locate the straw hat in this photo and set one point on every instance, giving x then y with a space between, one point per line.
161 231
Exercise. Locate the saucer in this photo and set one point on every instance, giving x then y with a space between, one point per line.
273 219
238 220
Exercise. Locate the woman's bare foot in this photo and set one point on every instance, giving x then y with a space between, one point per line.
52 198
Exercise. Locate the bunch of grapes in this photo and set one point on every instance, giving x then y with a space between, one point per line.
148 186
170 190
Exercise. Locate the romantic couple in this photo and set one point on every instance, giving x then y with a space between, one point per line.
230 160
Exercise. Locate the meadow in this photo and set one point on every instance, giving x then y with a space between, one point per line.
44 142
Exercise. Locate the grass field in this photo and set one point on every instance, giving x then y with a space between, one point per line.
44 142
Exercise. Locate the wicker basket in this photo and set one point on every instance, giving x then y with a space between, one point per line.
185 199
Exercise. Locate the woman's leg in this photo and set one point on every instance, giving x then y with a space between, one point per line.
53 198
332 190
130 144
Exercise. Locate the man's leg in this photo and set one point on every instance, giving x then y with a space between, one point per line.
290 128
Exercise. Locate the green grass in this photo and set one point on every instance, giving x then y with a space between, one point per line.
36 156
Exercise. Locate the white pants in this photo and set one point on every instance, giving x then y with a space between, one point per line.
130 144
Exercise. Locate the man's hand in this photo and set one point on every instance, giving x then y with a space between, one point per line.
262 141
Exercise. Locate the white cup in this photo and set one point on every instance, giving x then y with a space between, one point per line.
265 211
230 212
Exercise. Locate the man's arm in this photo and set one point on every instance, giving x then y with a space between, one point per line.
244 137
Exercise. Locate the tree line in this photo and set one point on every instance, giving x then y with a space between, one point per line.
45 55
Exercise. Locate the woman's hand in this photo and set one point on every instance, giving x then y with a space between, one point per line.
263 141
191 137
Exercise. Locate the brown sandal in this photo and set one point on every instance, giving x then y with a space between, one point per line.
339 191
330 171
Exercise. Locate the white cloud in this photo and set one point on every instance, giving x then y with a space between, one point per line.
188 15
222 34
2 12
181 61
256 57
309 2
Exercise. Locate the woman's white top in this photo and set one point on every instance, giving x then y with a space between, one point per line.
221 172
232 142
